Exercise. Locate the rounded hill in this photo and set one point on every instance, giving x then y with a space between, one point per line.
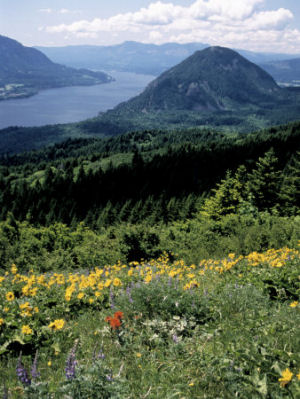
213 79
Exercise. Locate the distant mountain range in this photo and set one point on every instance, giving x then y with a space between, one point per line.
215 88
24 71
154 59
285 71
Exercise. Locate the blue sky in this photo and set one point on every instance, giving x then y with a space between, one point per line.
258 25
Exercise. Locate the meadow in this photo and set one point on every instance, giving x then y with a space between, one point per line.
221 328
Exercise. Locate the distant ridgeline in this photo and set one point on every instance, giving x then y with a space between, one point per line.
149 58
154 176
213 88
24 71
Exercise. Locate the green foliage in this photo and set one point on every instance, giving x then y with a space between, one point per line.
138 243
59 247
225 337
230 196
264 181
55 248
164 299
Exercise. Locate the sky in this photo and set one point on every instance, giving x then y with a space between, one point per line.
257 25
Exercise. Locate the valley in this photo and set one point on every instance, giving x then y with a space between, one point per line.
149 235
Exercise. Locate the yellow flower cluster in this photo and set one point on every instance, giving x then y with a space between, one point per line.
286 377
57 324
23 296
26 330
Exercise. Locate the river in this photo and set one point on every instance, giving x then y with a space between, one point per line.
71 104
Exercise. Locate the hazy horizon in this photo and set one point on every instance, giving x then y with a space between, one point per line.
271 26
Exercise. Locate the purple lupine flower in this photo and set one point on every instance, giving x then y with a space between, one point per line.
34 371
70 369
175 338
128 292
112 298
22 372
101 355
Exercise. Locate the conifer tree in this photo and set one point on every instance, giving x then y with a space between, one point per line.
230 194
290 189
264 182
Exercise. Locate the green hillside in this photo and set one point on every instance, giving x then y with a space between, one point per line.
213 79
154 264
215 88
24 71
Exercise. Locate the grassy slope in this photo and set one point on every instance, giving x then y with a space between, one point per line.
219 329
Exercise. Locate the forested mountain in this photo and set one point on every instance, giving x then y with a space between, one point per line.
25 70
148 175
213 79
214 88
285 71
139 57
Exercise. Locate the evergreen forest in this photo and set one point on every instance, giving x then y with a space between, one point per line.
156 263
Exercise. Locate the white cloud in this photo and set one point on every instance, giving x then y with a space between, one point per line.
67 11
46 10
238 23
155 36
64 11
270 19
86 35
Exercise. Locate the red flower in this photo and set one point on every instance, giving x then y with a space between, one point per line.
108 319
115 323
119 315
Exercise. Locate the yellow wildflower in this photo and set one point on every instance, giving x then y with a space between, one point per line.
10 296
69 292
294 304
138 354
91 300
57 324
33 291
26 330
130 272
80 295
286 377
49 363
117 282
13 269
298 376
1 321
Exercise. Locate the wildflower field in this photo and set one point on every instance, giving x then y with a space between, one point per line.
160 329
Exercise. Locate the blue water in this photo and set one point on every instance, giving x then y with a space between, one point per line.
71 104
